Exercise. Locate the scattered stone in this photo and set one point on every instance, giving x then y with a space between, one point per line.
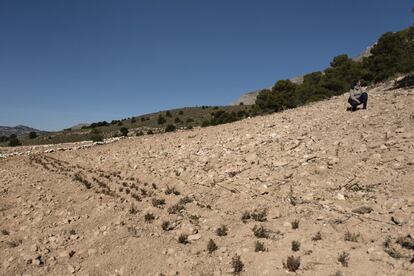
340 196
363 210
194 237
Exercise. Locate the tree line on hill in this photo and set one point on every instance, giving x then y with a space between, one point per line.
13 141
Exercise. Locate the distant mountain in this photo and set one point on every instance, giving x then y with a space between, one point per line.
249 98
18 130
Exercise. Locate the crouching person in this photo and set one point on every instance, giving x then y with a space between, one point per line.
358 96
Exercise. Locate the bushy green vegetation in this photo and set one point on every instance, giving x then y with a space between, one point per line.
170 128
393 54
96 135
161 120
99 124
124 131
32 135
14 141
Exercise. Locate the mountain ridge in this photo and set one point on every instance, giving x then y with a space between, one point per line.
18 130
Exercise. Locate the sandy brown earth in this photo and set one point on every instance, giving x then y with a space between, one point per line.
120 209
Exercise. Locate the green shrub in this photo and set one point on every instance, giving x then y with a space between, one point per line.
183 238
96 135
158 202
14 142
222 231
149 217
292 263
171 190
259 215
167 226
259 247
170 128
343 258
295 246
32 135
237 264
161 120
317 236
124 131
245 216
185 200
175 209
295 224
260 232
352 237
211 246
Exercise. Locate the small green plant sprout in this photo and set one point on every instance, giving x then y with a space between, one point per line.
175 209
292 263
211 246
185 200
259 247
158 202
149 217
352 237
245 216
343 258
260 232
167 226
295 246
222 231
259 215
236 264
295 224
317 236
171 190
183 239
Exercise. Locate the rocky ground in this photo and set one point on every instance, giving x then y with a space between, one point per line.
317 189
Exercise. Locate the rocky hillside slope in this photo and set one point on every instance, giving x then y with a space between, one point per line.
331 188
249 98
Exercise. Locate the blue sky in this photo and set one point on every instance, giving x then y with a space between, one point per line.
66 62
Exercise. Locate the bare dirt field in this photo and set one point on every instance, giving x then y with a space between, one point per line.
333 189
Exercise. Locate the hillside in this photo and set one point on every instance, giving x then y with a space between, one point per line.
249 98
18 130
182 118
337 183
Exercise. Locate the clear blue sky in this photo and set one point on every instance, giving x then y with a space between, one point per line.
66 62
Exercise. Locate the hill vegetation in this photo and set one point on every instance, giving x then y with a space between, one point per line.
159 122
393 54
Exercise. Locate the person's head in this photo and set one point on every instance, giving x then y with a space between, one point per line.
357 83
